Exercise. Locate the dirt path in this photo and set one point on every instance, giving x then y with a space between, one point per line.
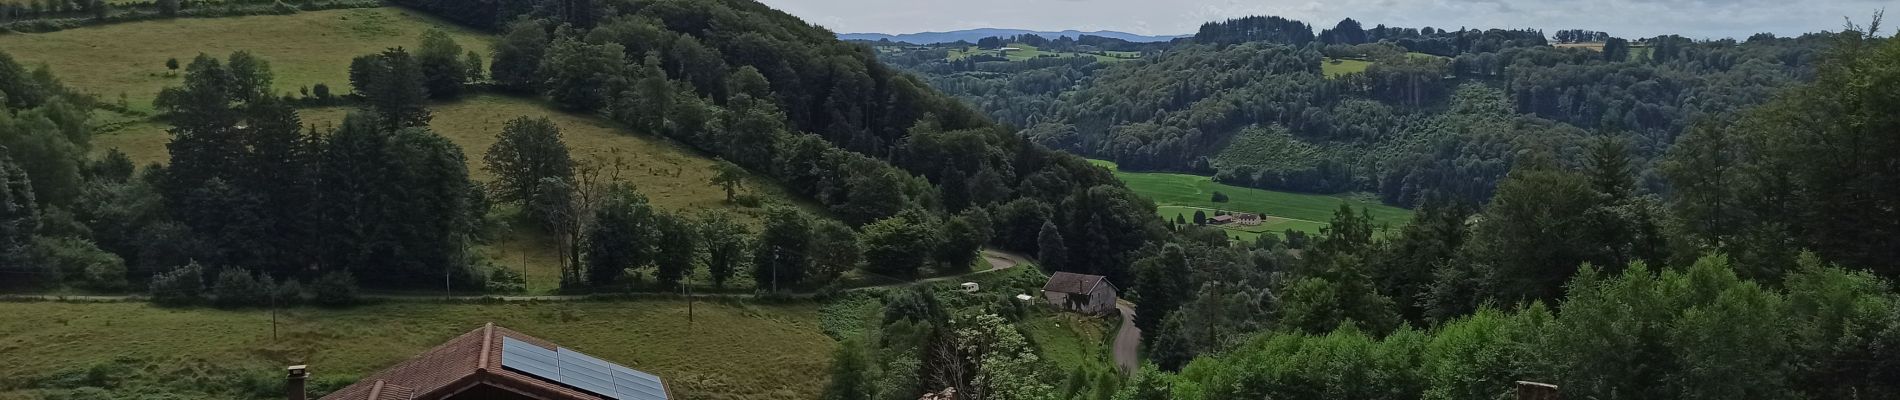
1127 341
998 260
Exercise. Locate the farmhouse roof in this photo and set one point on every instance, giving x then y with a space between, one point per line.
1073 283
462 363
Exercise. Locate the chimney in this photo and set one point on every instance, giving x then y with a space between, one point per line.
294 382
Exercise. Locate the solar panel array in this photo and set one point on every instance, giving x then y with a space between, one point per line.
580 371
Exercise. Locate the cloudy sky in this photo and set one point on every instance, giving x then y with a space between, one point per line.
1623 18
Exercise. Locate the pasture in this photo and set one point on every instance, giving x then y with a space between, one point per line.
303 49
1181 193
727 351
1334 67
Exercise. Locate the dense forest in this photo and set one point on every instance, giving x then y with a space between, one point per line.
1434 112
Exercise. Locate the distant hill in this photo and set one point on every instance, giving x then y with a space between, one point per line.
972 35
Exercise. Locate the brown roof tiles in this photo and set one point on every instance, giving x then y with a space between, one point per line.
460 364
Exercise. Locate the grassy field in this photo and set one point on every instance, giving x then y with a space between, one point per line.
1071 341
1334 67
1177 193
728 351
672 176
304 49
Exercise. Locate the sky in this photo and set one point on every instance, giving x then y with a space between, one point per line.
1701 19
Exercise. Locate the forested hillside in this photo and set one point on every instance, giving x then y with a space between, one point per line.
1407 113
919 181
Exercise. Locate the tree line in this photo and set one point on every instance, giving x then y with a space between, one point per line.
877 147
1409 127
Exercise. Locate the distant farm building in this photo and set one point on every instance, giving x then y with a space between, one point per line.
1248 219
1087 294
495 363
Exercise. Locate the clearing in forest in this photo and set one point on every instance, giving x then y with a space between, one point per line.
1179 194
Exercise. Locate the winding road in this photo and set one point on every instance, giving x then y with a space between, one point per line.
1127 341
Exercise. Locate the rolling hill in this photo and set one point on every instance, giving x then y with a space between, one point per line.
972 35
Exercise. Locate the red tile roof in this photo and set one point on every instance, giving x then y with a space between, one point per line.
462 363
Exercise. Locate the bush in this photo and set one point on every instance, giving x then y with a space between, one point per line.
107 276
748 201
1220 197
236 287
334 289
290 293
504 280
181 286
79 261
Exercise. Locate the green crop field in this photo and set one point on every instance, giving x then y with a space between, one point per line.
1179 194
728 351
303 49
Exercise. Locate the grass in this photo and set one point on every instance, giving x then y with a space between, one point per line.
1071 341
1335 67
303 49
728 351
1298 211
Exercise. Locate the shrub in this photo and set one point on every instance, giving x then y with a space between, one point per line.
290 293
180 286
106 276
334 289
321 91
236 287
504 280
68 258
1220 197
748 201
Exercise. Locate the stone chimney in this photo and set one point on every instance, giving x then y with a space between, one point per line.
294 382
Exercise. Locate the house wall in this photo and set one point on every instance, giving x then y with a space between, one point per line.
1100 301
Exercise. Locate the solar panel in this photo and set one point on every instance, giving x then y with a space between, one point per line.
581 371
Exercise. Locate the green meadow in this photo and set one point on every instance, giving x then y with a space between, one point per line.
1181 194
133 348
